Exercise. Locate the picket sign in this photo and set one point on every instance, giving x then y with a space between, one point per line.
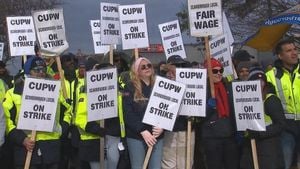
21 35
110 25
172 39
133 25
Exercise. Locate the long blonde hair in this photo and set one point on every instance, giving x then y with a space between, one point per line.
136 80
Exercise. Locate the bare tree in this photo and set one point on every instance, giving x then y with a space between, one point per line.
245 17
20 8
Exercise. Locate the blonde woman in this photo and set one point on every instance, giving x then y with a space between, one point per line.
140 136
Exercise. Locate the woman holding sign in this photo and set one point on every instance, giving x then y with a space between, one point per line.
218 129
269 152
140 136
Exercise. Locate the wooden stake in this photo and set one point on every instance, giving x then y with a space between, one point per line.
62 77
111 54
209 69
102 146
136 53
29 153
147 158
254 154
188 145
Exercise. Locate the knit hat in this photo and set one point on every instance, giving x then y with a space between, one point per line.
104 65
176 59
33 62
242 55
67 57
214 63
256 73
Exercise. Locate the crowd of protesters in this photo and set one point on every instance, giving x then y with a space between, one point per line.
216 144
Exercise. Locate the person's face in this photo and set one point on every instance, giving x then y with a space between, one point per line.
162 66
243 74
145 69
81 71
2 71
171 74
289 54
38 72
262 83
217 73
117 62
69 64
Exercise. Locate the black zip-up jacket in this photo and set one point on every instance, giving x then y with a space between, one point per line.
134 111
215 127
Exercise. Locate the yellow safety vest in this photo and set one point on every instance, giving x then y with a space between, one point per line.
287 87
268 120
14 101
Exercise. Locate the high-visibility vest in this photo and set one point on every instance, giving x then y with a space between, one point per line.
2 90
12 106
268 120
81 116
287 87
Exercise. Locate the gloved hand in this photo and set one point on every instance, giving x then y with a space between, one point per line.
212 102
94 128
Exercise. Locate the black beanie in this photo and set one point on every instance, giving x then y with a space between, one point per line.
256 73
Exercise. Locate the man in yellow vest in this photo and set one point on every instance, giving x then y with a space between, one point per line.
285 76
46 149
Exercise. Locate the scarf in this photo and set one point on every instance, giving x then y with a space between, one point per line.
221 99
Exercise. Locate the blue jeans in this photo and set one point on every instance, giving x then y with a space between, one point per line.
137 152
111 143
288 143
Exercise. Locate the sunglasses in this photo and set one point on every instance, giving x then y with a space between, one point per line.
215 71
143 67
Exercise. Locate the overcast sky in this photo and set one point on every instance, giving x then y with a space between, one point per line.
77 14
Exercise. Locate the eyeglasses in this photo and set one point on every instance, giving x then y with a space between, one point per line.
39 70
215 71
143 67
